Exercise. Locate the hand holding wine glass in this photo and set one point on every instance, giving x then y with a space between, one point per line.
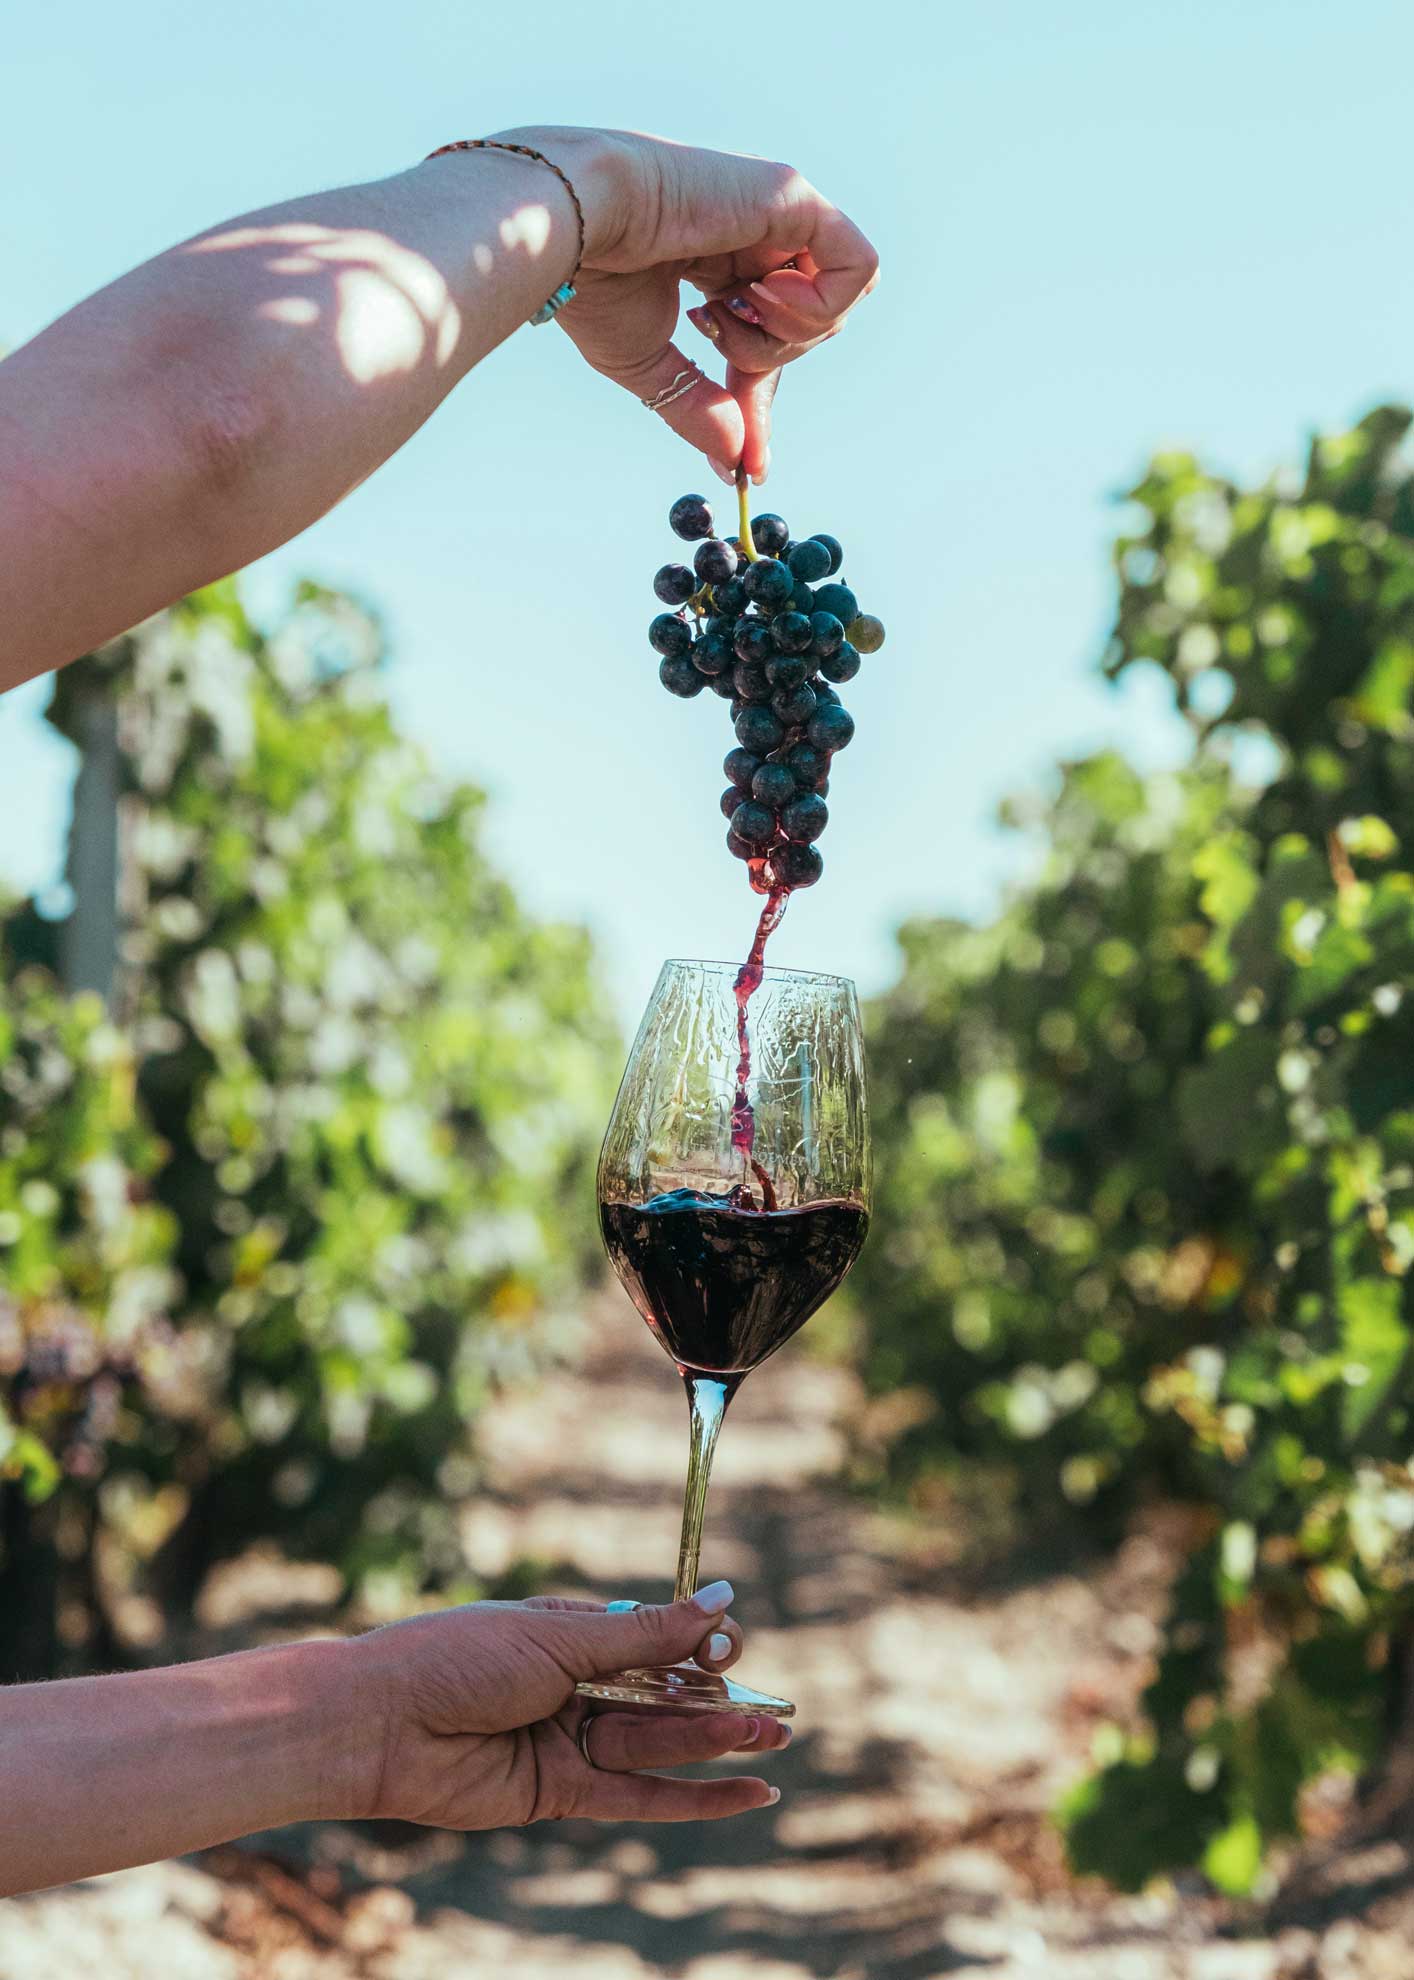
467 1718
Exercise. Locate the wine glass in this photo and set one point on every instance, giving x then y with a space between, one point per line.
733 1198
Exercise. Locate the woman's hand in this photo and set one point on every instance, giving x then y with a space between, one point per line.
779 265
473 1722
209 405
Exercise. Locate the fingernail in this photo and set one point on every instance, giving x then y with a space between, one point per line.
723 474
787 1733
703 320
714 1598
718 1646
772 1798
739 306
753 1731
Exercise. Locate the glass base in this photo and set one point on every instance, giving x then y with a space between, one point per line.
686 1689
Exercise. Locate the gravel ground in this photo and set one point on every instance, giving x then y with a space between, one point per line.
936 1727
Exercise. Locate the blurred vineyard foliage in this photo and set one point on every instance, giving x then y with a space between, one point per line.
270 1231
1146 1145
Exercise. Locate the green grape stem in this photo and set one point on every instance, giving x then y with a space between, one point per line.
749 550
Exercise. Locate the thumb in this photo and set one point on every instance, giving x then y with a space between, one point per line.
753 392
652 1634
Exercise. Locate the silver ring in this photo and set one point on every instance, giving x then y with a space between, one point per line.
581 1739
680 385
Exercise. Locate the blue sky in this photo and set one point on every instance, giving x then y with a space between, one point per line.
1103 230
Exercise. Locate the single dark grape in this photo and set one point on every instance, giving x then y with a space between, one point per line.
715 562
731 797
690 517
674 584
811 561
751 682
768 584
721 624
791 632
826 634
831 727
669 634
724 685
770 534
795 866
679 676
867 633
831 543
802 599
805 818
839 599
753 642
823 692
841 666
794 706
785 670
730 598
756 823
741 848
774 785
712 655
807 765
758 730
739 766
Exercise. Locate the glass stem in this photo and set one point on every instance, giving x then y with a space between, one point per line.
707 1399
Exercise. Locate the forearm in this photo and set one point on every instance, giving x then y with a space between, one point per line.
100 1773
211 404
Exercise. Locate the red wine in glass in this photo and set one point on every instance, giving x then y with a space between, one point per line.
733 1198
722 1285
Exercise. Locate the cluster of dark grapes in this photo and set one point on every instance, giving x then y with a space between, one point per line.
772 631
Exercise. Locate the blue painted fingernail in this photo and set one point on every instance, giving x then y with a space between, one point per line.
739 306
714 1598
718 1646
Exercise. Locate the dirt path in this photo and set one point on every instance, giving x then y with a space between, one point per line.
910 1843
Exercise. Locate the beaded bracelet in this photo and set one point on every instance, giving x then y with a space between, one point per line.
566 291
